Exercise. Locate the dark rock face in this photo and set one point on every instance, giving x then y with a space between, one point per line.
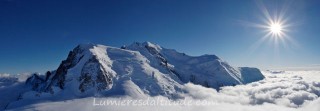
56 78
93 75
35 81
48 74
73 58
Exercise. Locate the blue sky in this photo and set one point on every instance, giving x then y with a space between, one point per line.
36 35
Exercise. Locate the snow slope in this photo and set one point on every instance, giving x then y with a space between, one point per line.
206 70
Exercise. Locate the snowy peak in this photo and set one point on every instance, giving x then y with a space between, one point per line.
86 67
138 69
151 47
91 70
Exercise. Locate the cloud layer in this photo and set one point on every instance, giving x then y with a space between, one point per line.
287 91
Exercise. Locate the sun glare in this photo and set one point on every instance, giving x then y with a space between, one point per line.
276 28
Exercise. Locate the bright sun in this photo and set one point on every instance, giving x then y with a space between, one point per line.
275 28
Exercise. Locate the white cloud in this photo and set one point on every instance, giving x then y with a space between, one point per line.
291 91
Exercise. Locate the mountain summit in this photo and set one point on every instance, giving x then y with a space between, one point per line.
137 70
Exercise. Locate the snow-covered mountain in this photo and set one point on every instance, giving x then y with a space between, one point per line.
136 70
94 74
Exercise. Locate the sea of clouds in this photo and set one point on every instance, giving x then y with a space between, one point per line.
285 91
